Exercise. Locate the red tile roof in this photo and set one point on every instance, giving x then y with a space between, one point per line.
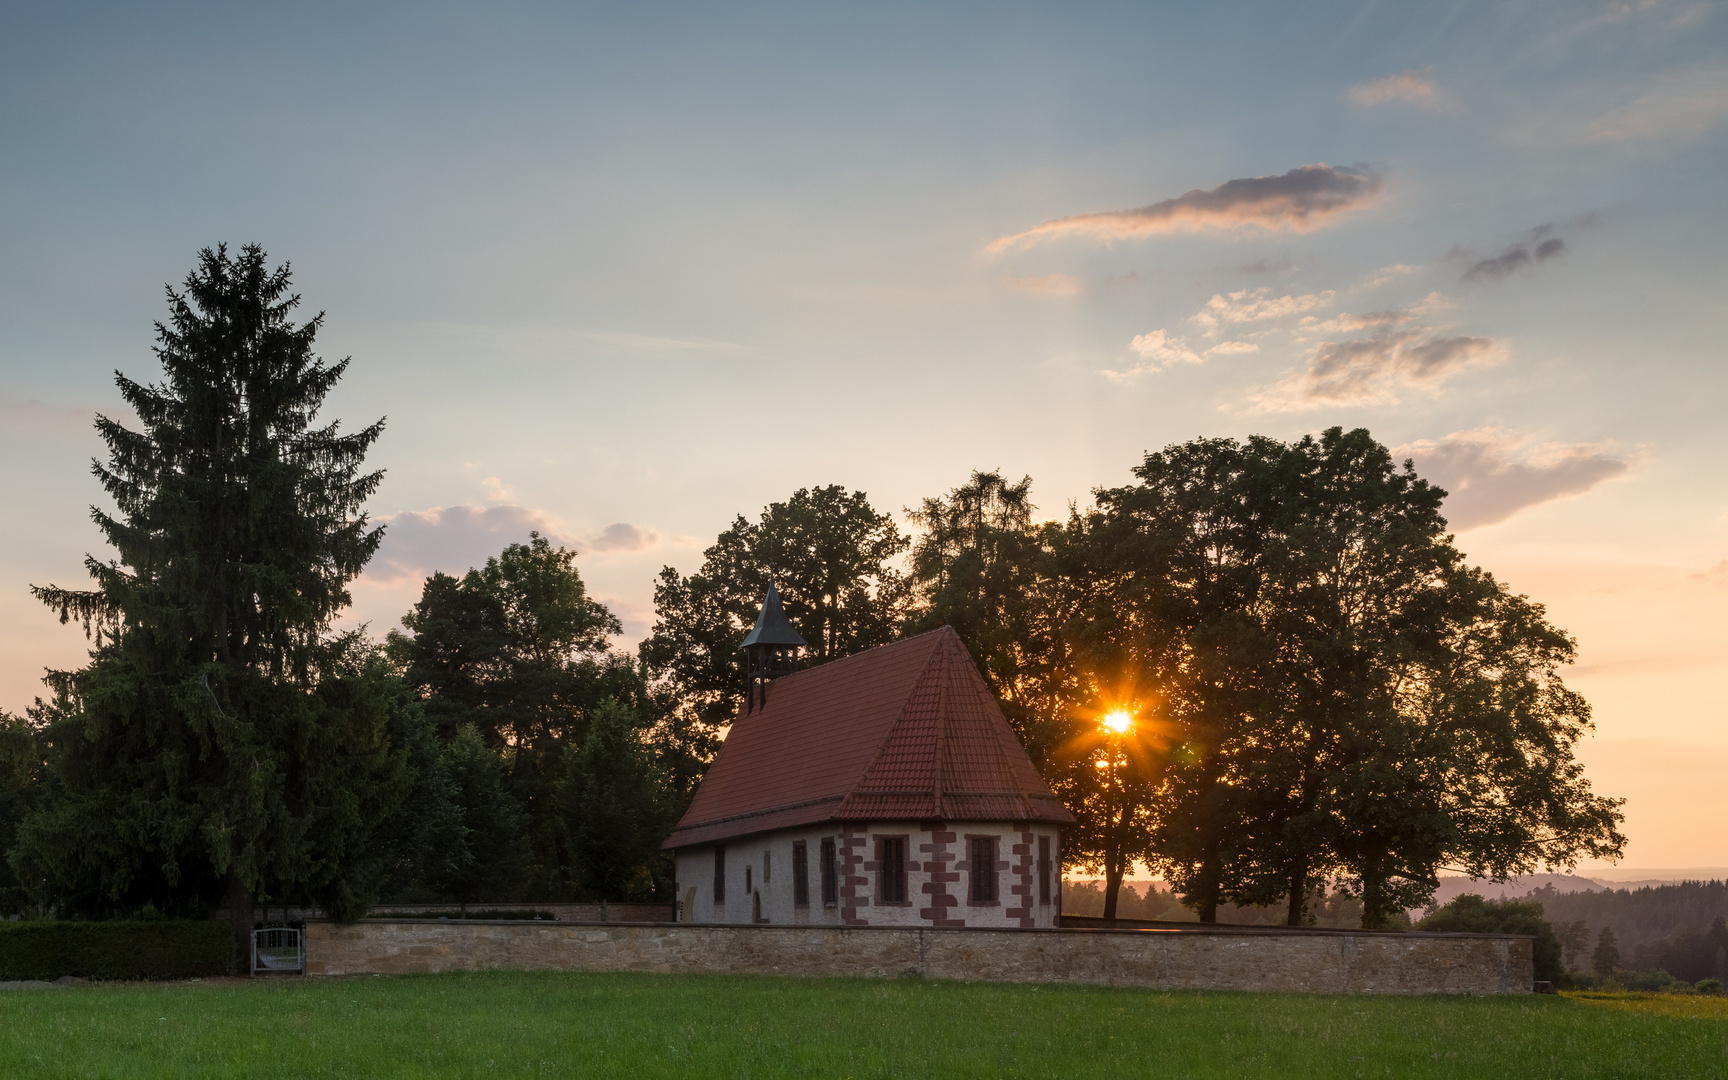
906 731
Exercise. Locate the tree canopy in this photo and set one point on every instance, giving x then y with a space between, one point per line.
830 555
222 737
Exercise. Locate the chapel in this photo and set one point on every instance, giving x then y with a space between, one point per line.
882 789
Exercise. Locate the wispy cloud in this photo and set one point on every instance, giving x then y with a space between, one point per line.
40 417
1679 106
1049 284
1491 474
1406 86
1388 274
1256 305
1300 200
1377 369
1540 246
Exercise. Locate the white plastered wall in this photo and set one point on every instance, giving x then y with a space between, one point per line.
937 865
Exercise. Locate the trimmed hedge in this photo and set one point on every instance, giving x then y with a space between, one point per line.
156 949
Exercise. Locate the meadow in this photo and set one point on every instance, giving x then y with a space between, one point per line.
637 1026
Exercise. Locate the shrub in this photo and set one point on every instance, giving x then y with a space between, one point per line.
1470 914
131 949
1709 986
1657 981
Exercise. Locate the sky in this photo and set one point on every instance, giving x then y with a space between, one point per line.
620 274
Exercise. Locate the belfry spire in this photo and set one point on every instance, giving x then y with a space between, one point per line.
770 650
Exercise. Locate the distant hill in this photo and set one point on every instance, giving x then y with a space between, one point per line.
1453 887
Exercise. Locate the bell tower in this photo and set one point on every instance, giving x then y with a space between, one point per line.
770 650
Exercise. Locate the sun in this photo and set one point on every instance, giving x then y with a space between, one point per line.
1118 721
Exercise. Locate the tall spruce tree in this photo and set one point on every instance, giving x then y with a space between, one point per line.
222 740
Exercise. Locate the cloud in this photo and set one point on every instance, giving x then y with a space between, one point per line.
1347 323
622 536
1301 200
1233 348
43 418
1158 351
1717 575
1490 473
1678 106
1050 284
1266 266
1374 370
1256 306
456 538
1537 248
1411 86
1387 274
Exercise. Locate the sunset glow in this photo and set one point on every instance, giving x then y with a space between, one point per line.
1118 721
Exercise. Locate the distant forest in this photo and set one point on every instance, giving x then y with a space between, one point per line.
1681 929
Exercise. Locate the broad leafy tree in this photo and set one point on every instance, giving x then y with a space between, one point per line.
518 651
221 741
978 564
830 555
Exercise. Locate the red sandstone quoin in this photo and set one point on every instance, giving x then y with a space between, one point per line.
885 788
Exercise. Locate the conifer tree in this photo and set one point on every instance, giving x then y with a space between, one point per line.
222 739
618 809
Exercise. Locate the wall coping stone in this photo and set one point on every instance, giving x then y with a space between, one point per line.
1294 959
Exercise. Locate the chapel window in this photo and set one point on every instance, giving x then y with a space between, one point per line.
983 876
830 875
800 874
891 870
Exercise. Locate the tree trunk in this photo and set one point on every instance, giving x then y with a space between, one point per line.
240 918
1373 900
1206 895
1112 882
1298 892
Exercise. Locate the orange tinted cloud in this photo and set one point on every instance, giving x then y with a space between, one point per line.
1301 200
1491 474
1412 86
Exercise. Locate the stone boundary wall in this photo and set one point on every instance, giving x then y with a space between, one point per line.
1333 962
582 913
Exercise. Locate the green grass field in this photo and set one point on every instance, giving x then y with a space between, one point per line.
513 1024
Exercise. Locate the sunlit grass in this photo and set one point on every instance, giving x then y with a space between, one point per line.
513 1024
1689 1006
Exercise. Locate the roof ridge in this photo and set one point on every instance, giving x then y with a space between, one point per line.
841 661
1004 761
941 731
900 717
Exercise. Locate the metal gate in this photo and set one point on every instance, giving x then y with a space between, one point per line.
278 948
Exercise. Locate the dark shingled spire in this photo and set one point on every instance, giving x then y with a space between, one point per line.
772 626
770 651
